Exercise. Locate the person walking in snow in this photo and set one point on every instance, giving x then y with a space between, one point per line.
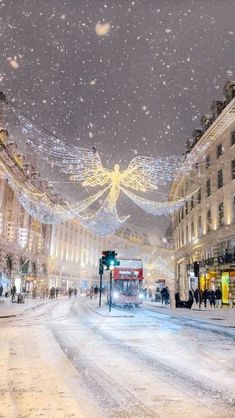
205 296
13 293
218 298
212 298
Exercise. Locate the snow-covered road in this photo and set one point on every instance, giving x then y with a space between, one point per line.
64 360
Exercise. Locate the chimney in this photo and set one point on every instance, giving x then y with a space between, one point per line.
216 108
229 90
205 122
197 133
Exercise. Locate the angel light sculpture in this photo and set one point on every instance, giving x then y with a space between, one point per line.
143 174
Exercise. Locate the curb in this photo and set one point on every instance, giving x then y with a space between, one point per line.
31 308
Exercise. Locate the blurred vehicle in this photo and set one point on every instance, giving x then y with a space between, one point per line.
127 283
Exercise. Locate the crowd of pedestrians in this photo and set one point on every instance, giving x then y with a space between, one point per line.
208 296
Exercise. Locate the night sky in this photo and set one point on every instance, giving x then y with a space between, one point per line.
129 77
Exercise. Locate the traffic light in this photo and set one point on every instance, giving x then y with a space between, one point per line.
109 259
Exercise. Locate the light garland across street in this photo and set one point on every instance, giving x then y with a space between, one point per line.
82 165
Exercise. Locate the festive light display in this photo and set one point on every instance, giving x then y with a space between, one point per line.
154 208
143 174
39 205
105 221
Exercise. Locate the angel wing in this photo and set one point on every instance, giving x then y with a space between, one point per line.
80 163
154 208
146 173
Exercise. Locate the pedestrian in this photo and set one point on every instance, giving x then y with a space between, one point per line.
1 289
158 296
91 292
96 291
190 299
212 298
230 299
75 291
165 295
196 296
70 291
52 293
13 293
205 296
218 297
177 300
57 292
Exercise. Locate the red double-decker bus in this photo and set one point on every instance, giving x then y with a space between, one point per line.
127 283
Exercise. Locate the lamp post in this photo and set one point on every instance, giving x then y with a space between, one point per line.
101 271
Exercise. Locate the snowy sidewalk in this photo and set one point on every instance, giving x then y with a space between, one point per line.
9 309
225 315
103 310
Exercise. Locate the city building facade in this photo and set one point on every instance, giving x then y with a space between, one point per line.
204 228
24 241
74 256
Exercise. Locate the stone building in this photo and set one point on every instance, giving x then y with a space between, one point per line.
204 228
24 242
74 256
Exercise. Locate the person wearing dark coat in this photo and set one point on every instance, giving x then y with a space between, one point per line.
13 293
165 295
196 296
218 297
1 289
205 296
212 298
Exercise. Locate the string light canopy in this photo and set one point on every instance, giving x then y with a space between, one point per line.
84 166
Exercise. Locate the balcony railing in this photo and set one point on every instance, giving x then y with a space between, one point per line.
227 258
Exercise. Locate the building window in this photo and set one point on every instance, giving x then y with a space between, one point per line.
208 187
199 196
192 202
232 138
220 182
182 213
208 220
219 151
221 214
233 208
192 230
208 161
182 236
186 208
233 169
199 226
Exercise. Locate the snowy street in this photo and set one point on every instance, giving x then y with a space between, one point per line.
64 359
